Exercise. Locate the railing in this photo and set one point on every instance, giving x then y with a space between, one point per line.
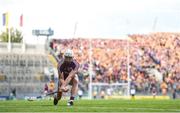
22 48
3 47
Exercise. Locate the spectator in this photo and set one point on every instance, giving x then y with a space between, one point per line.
45 88
51 86
164 88
159 51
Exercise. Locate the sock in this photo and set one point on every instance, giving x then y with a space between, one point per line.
71 98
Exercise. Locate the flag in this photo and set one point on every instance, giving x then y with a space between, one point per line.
5 19
21 20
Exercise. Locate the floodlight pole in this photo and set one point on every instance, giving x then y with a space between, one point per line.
75 28
154 24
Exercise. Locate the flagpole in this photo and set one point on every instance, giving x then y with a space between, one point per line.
9 32
21 27
9 39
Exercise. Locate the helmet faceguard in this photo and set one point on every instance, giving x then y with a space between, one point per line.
68 55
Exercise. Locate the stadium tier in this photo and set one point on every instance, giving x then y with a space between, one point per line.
23 73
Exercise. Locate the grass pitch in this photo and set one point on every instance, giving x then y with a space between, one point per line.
91 106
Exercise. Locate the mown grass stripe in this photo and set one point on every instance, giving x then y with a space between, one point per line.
92 106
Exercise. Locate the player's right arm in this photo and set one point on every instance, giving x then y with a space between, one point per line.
61 78
60 72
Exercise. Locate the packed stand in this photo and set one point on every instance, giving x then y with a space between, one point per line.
150 55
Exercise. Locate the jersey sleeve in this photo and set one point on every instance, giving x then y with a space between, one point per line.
59 66
76 65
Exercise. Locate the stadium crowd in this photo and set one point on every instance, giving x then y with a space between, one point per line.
155 54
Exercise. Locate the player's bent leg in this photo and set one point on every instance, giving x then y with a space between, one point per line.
74 87
58 96
73 90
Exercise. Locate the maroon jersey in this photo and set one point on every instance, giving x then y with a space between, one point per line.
66 68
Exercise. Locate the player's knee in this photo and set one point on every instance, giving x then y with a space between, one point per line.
72 76
75 82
